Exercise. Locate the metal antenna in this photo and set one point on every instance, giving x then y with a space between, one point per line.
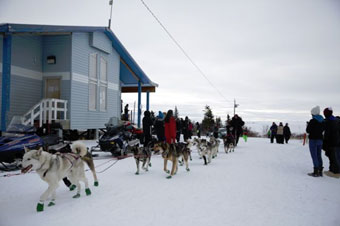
111 3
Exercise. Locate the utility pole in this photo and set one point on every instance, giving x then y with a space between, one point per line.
235 106
111 4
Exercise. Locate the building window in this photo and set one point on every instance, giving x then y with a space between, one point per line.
103 85
92 96
93 82
102 98
93 66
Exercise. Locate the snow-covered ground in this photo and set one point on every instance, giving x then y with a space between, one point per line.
259 184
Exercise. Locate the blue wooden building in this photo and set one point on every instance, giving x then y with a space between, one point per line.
73 74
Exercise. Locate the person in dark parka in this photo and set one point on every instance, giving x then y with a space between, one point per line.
279 134
126 112
315 128
178 129
286 133
147 127
331 141
198 129
237 123
159 126
185 128
273 131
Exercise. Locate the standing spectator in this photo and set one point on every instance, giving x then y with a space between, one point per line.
147 127
190 128
215 133
159 126
185 128
245 134
198 130
286 133
179 129
315 128
170 128
338 146
228 126
126 112
237 123
273 131
331 141
279 134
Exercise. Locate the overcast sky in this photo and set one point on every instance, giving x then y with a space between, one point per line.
278 59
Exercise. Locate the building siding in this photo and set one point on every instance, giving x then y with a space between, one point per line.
26 74
60 47
30 69
25 93
81 117
99 40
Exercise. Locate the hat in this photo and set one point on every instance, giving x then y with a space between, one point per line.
315 110
328 112
160 114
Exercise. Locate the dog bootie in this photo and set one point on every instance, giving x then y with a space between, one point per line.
40 207
88 191
76 196
169 177
150 164
188 169
52 203
72 187
137 173
96 183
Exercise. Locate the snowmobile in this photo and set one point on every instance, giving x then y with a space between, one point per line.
17 137
116 138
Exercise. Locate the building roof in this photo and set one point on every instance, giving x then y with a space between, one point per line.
132 72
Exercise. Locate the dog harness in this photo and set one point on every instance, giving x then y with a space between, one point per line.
69 157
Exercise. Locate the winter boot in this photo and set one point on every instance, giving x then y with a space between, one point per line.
320 169
315 173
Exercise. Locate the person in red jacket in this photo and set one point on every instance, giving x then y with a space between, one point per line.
170 128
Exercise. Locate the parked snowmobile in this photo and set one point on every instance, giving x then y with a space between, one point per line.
116 138
17 137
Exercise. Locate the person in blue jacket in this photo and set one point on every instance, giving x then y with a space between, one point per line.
315 128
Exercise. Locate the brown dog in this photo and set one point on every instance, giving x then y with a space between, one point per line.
173 152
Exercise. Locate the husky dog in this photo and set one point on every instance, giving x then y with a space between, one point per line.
141 154
215 143
229 143
172 152
207 151
53 167
198 142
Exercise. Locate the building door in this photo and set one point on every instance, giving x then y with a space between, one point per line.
53 88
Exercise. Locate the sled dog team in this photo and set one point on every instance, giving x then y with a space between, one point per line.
54 167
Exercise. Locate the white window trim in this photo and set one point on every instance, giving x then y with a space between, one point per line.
103 83
93 80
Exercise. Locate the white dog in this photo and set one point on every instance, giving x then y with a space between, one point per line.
52 168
